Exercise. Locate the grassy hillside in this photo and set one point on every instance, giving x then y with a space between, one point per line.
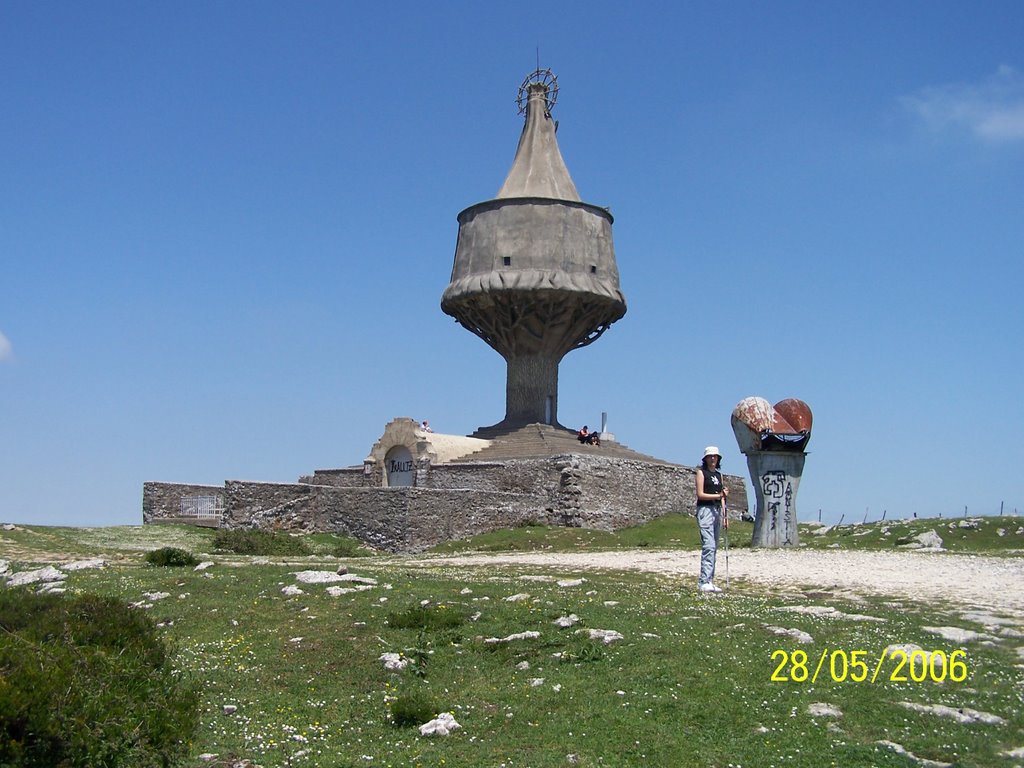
688 684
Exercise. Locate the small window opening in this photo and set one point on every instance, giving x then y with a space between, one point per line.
507 261
593 269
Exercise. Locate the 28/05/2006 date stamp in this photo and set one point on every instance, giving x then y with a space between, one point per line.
841 666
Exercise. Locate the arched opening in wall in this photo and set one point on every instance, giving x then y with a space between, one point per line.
399 469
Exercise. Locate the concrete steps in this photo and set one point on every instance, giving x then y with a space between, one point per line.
541 440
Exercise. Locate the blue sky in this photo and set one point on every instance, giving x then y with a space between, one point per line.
225 229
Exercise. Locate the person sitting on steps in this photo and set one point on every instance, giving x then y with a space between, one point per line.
588 438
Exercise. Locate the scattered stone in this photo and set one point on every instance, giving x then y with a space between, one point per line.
342 570
516 636
442 725
154 596
827 611
208 757
799 635
926 540
822 531
901 750
990 621
523 666
531 577
571 582
536 682
81 565
49 573
291 590
329 577
338 591
296 640
1019 531
606 636
963 715
10 527
958 635
760 729
935 659
650 635
572 758
5 566
517 598
204 565
394 662
566 621
475 617
610 603
51 588
970 524
1018 752
834 546
821 709
230 709
1000 532
466 591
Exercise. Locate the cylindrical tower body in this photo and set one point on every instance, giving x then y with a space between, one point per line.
534 273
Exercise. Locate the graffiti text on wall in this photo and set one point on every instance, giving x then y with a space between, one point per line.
778 496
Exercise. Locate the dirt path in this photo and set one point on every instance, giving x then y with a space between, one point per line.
972 581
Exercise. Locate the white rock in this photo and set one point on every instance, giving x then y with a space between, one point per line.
799 635
821 709
81 565
204 565
1000 532
291 590
536 682
330 577
230 709
523 665
958 635
827 611
517 598
1018 752
926 540
5 566
566 621
465 591
49 573
901 750
606 636
610 603
962 715
822 531
972 524
442 725
394 662
154 596
571 582
516 636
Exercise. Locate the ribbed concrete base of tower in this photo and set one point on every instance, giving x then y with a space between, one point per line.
416 489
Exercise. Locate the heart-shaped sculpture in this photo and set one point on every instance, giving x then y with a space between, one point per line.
760 426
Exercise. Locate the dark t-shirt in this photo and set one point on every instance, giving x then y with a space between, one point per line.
712 484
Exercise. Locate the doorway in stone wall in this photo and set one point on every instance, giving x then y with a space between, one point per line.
398 468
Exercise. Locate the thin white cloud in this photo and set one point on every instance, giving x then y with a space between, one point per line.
6 351
991 110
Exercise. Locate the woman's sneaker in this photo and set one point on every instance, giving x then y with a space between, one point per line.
708 587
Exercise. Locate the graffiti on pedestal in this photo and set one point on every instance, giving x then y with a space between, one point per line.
778 496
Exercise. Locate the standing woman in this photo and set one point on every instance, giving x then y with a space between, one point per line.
711 495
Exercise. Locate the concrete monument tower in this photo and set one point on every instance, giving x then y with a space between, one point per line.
535 274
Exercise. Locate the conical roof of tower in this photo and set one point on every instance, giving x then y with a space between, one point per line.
538 169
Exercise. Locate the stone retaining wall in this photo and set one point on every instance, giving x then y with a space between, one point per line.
161 502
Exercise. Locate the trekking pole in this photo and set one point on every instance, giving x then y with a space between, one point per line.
725 522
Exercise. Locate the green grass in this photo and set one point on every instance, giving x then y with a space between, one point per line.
884 535
689 685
